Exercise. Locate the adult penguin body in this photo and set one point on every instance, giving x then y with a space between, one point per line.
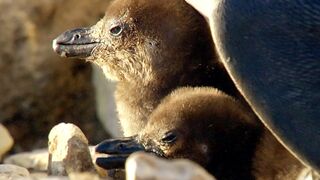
271 49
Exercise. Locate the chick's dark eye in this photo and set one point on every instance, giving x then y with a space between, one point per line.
169 137
116 30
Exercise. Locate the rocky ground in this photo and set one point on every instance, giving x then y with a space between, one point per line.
38 88
69 156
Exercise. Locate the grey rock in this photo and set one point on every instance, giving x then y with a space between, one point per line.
68 150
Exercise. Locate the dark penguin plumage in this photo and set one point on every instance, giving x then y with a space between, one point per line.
272 51
212 129
150 48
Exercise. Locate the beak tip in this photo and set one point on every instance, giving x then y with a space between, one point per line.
55 45
99 148
56 48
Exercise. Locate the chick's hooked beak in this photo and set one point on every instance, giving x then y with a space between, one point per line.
112 153
76 43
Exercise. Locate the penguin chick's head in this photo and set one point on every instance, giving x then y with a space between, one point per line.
201 124
141 40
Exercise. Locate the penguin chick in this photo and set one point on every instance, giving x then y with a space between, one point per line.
150 48
212 129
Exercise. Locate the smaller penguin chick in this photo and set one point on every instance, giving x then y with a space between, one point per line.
212 129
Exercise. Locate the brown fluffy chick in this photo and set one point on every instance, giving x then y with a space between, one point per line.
212 129
150 48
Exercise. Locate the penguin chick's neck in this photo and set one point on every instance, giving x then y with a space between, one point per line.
136 100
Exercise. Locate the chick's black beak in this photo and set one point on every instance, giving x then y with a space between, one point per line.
116 151
77 43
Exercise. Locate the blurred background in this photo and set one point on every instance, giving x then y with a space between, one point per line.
38 89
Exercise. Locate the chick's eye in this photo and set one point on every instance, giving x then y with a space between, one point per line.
116 30
169 137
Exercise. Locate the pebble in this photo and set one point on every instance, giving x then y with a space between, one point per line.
143 166
9 171
6 141
68 151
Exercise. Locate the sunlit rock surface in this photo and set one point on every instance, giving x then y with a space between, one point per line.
8 171
36 160
142 166
6 141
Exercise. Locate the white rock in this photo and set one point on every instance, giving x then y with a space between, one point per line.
68 150
8 171
36 160
72 176
142 166
45 178
6 141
